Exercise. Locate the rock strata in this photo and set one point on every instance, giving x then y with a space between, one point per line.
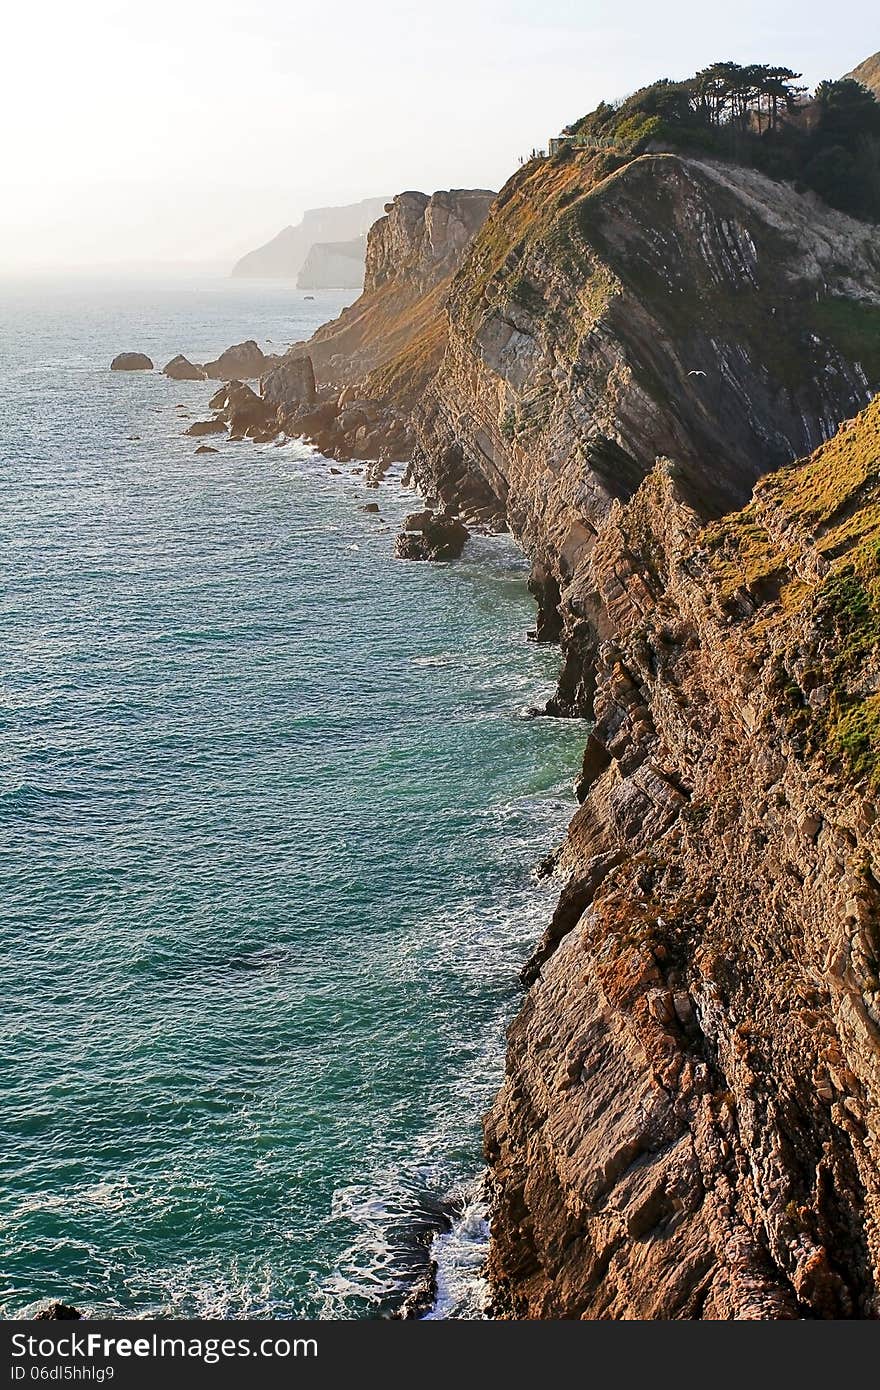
688 1126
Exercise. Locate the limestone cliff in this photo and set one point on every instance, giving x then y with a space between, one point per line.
284 256
334 265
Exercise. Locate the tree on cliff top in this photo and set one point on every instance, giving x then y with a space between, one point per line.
755 115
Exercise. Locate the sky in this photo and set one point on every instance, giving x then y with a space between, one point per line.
188 131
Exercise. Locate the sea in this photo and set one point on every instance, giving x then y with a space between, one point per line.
271 803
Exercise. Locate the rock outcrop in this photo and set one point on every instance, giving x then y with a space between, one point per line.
689 1124
58 1312
290 387
368 368
671 307
131 362
247 414
244 361
431 536
202 427
181 369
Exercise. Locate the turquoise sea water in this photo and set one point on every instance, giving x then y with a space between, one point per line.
268 811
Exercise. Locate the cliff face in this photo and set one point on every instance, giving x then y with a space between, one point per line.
688 1127
283 257
673 308
689 1124
868 73
669 308
411 255
333 265
372 363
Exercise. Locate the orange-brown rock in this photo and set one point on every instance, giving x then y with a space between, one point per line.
689 1123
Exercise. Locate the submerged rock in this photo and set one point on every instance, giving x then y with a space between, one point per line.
438 537
58 1312
181 369
131 362
207 449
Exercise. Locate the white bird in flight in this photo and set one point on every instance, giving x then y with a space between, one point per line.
696 373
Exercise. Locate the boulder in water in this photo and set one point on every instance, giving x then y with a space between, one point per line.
199 427
58 1312
243 362
246 413
181 369
131 362
441 537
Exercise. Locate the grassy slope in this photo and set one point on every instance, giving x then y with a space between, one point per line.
826 508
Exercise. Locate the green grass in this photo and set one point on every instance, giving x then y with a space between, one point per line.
853 326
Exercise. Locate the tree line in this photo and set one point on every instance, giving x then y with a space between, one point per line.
755 114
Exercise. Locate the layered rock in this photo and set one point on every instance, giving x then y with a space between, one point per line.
373 362
669 307
411 255
689 1124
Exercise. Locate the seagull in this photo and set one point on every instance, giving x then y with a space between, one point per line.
696 373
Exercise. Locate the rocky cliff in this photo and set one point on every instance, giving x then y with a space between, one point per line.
412 253
688 1128
284 256
688 1124
622 362
334 265
669 307
868 73
372 364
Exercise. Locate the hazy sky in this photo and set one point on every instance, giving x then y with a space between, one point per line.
187 130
